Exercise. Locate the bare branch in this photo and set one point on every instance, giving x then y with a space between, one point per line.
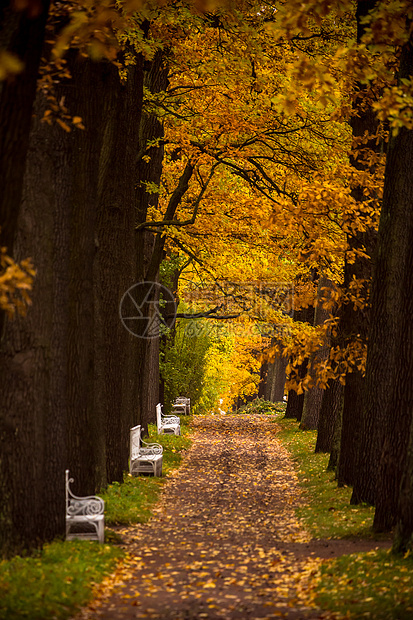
209 314
191 220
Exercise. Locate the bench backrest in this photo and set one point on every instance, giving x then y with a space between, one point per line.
178 408
135 442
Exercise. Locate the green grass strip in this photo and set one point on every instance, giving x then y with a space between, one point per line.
376 584
327 512
56 582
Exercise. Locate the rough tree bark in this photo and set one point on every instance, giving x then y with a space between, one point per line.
295 402
360 439
33 415
330 411
115 266
84 94
355 322
262 386
403 533
313 398
53 361
276 377
389 370
335 444
151 128
22 34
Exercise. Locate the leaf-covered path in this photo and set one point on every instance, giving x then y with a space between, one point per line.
225 542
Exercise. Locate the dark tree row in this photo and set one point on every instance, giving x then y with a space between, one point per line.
368 426
73 379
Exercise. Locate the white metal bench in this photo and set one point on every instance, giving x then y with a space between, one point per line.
178 408
84 515
146 458
184 404
167 424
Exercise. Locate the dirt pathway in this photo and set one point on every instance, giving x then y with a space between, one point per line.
225 542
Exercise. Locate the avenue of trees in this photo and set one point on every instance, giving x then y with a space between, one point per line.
255 158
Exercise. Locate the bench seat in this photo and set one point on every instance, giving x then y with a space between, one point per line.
146 458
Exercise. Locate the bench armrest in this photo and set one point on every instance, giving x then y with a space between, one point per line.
151 448
91 506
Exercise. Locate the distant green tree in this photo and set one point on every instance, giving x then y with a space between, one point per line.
183 361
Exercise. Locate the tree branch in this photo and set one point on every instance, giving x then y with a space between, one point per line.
172 222
209 314
173 204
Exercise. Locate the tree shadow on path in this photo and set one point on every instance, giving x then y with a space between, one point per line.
225 542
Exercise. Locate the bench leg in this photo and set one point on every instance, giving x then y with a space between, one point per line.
101 531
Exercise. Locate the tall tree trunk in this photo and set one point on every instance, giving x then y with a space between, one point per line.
403 533
350 441
269 382
21 34
295 402
330 410
335 444
152 379
116 266
32 361
262 386
355 322
85 94
277 394
389 370
78 224
276 378
151 128
313 398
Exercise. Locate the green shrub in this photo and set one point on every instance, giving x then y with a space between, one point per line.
259 405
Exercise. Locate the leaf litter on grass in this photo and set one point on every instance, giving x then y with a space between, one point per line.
224 541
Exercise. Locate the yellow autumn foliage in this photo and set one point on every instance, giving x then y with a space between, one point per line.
16 281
